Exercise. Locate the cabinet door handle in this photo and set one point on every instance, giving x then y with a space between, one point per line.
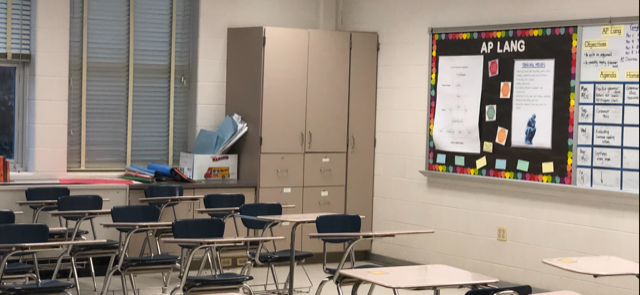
325 170
353 143
283 171
310 138
324 203
302 139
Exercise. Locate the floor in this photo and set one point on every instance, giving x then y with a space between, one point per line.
152 284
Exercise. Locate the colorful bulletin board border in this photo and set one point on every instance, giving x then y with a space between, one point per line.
488 35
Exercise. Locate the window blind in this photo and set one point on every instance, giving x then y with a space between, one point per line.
107 83
74 136
182 78
151 84
107 88
20 40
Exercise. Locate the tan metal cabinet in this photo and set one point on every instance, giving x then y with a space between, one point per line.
321 200
325 169
284 196
328 91
281 170
362 128
286 53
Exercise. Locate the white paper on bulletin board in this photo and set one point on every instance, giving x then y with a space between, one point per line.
608 108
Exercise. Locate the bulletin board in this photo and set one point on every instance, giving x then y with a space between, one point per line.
523 127
608 116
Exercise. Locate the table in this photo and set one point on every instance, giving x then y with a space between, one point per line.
598 266
295 220
231 210
208 243
424 277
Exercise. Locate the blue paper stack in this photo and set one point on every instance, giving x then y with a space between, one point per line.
216 142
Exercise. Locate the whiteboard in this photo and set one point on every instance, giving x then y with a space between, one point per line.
608 130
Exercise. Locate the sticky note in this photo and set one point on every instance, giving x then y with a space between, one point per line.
523 165
503 135
460 161
501 164
491 113
442 159
488 147
548 168
481 162
568 261
378 273
505 90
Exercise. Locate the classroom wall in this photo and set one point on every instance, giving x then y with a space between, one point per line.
216 16
542 222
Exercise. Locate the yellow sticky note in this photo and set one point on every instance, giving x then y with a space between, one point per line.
548 168
608 75
568 261
596 44
612 31
378 273
481 163
633 75
488 147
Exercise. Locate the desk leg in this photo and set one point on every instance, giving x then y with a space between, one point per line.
292 263
436 292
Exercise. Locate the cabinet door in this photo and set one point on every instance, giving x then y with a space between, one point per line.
284 100
362 122
328 91
321 200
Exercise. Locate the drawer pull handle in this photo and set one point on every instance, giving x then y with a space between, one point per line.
324 203
283 171
325 170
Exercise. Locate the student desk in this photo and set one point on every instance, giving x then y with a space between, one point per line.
424 277
231 211
296 220
42 204
211 243
598 266
560 293
135 227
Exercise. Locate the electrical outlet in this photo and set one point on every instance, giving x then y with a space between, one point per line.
503 234
227 262
241 261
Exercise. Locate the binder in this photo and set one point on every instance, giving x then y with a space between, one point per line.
2 169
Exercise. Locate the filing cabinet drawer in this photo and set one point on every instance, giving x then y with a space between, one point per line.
322 200
281 170
325 170
284 196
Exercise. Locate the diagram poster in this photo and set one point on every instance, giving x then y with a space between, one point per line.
532 120
460 87
523 113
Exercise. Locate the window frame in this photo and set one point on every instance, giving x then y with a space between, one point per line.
19 161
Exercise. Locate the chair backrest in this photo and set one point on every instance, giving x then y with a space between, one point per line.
80 203
331 224
140 213
198 229
7 217
23 233
46 193
161 191
223 201
259 209
519 290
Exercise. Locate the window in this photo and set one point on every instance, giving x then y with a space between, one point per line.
15 43
129 66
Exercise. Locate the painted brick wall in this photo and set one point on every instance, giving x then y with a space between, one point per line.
542 222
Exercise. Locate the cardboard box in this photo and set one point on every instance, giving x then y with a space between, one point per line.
202 167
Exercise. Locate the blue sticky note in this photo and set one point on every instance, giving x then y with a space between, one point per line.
523 166
501 164
460 161
442 159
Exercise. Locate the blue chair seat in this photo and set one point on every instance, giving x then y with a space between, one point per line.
18 268
47 287
157 260
217 280
109 245
282 256
332 271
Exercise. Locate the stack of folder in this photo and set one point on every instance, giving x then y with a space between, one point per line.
140 174
220 141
